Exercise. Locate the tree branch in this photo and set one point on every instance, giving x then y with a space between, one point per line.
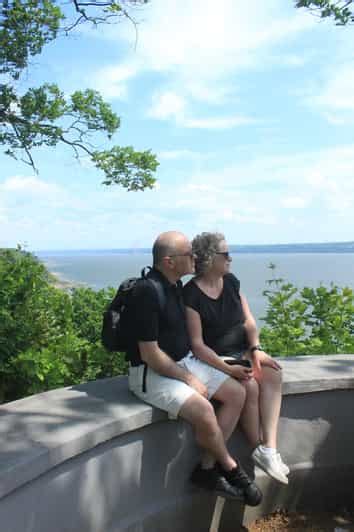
23 145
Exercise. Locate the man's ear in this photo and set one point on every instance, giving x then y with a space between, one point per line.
167 262
171 263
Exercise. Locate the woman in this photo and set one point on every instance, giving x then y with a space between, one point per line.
222 328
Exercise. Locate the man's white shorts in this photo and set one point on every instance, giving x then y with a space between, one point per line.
170 394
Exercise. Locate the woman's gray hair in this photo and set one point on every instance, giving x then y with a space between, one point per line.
205 246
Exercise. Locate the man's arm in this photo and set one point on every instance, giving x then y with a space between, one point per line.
161 363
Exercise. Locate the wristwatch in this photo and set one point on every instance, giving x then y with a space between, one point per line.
257 347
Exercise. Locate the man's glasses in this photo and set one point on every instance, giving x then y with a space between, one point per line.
225 254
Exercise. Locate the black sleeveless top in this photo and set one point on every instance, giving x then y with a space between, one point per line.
222 318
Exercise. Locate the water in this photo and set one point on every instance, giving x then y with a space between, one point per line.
99 270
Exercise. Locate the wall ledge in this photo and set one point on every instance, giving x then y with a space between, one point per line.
42 431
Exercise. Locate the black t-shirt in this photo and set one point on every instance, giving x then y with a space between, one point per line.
148 322
222 318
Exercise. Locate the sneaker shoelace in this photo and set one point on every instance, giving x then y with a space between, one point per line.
240 475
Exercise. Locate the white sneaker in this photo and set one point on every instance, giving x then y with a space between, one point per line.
284 467
270 464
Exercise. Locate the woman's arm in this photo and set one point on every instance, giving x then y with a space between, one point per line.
250 323
205 353
258 356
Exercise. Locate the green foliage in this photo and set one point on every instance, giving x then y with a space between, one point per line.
48 338
339 11
25 28
307 321
330 318
127 167
87 306
43 116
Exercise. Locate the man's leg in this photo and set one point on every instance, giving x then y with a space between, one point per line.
211 433
232 396
177 398
228 391
199 412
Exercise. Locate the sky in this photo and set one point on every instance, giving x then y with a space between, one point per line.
249 107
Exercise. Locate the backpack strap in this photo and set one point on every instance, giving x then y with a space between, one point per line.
161 296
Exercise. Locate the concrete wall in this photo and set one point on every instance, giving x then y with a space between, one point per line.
92 458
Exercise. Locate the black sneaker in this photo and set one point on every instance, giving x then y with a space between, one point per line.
212 480
238 478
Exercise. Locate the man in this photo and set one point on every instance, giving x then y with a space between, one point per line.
165 374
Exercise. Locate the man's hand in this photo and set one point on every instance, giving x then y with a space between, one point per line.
240 372
259 359
198 386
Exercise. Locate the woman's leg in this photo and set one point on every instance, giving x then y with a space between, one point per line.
266 455
269 405
250 418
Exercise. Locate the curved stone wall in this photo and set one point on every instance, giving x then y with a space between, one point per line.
92 458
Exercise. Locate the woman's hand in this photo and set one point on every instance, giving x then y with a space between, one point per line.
240 372
260 358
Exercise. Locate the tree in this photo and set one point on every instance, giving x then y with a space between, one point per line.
340 11
43 116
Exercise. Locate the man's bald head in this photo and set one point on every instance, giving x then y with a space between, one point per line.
168 244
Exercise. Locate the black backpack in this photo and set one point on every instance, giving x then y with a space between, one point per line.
115 319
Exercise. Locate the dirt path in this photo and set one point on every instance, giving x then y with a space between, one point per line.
301 522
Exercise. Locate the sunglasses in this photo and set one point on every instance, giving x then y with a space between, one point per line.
225 254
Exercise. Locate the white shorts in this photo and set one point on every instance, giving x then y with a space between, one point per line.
170 394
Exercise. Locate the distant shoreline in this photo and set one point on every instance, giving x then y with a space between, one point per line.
59 281
330 247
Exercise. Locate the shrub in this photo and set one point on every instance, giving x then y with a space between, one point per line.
307 321
48 337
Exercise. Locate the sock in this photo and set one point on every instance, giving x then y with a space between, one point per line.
268 450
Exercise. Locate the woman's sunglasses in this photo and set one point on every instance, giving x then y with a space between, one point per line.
225 254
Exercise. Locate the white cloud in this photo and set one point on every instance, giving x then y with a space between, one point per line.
212 93
213 41
170 105
290 60
28 185
294 202
182 154
37 195
225 122
3 215
331 91
111 81
243 200
200 46
337 92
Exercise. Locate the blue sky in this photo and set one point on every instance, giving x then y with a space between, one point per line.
249 107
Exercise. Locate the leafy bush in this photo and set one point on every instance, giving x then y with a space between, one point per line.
48 337
308 321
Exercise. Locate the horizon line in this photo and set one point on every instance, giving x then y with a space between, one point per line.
295 244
